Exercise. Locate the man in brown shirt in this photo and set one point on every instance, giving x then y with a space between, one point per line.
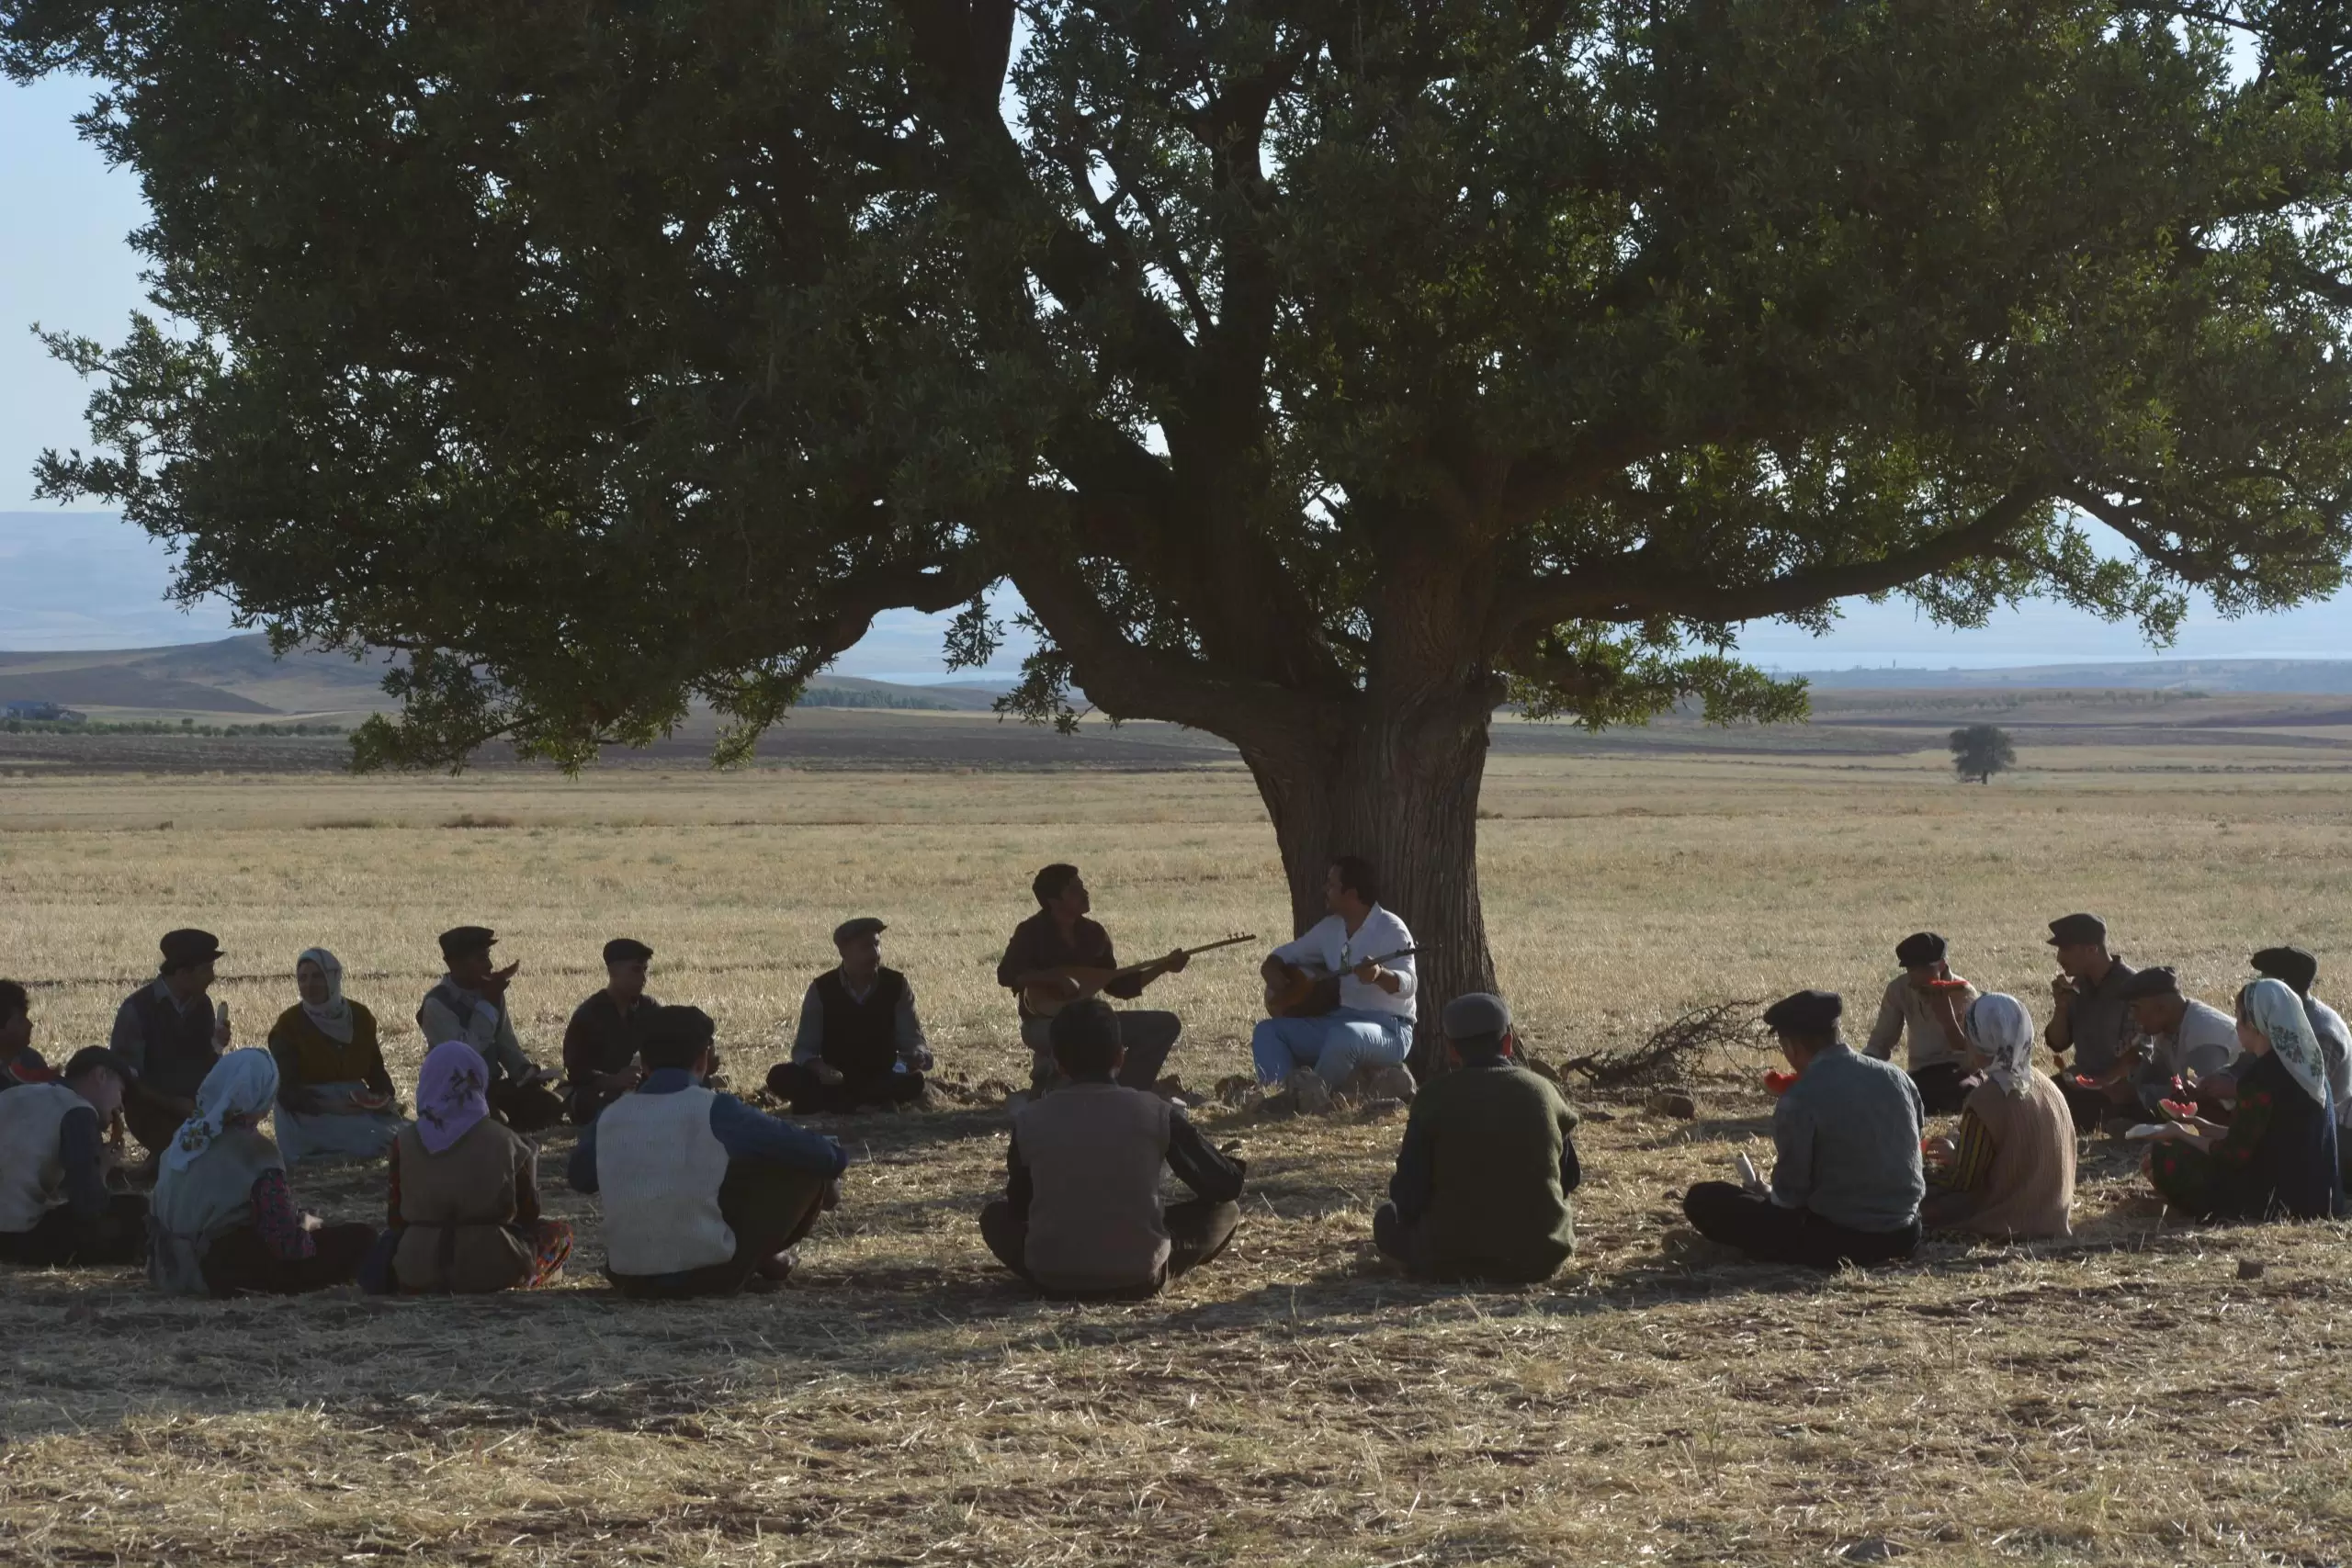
1060 936
1081 1214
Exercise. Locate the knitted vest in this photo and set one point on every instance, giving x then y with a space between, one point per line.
1094 1153
659 1168
32 1176
862 1037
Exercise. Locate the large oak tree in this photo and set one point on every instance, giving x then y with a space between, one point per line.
1321 372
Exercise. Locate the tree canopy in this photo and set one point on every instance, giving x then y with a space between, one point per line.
1980 751
1320 372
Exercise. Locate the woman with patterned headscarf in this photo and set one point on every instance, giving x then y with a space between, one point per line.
2277 1157
465 1190
334 1096
2010 1173
224 1220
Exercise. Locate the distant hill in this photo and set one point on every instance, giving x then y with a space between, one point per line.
2324 676
239 676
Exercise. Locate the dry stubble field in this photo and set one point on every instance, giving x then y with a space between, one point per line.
2123 1398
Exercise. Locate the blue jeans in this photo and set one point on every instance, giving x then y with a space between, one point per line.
1335 1044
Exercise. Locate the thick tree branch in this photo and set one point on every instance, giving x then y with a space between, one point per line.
1633 587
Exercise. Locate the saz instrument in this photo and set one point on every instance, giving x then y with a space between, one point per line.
1302 992
1051 990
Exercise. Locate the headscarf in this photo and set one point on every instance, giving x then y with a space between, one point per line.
2277 1012
242 1083
334 1019
451 1094
2000 1028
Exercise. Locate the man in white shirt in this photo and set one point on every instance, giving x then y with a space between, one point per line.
1368 950
1923 1005
2180 1035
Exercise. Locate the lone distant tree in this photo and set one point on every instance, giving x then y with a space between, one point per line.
1322 373
1980 751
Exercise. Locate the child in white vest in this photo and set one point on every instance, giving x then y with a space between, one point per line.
701 1192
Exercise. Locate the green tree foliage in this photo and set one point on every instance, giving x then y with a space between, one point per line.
1320 372
1980 751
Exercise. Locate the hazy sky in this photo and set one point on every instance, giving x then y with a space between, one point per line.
70 580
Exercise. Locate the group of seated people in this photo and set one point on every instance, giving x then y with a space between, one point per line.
702 1193
2246 1105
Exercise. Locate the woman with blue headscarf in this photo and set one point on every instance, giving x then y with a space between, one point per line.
2277 1157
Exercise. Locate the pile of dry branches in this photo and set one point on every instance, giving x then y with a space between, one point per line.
1670 1055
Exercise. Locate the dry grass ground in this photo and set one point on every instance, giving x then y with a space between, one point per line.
2125 1398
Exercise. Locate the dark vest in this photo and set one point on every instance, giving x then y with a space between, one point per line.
862 1038
179 1044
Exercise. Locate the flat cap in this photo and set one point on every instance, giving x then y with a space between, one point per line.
1921 948
2156 980
850 930
2290 965
93 1057
1806 1013
460 940
1478 1013
185 950
2077 930
627 949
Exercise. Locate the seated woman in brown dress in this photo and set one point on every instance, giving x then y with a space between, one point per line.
2010 1173
465 1190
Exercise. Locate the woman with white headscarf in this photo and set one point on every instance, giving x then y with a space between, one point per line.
2277 1157
224 1220
334 1097
2010 1173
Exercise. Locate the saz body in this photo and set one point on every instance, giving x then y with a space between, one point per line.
1303 992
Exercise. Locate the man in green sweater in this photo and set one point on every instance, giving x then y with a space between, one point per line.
1489 1157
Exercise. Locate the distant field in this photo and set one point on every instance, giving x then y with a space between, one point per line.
2127 1398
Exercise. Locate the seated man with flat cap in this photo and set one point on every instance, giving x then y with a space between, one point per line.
469 1004
1922 1009
701 1193
602 1042
2090 1016
1487 1165
170 1035
54 1206
2178 1036
859 1042
1081 1215
1848 1180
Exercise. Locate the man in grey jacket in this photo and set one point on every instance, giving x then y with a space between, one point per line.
1847 1185
469 1004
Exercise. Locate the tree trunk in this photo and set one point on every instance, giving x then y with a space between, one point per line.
1397 784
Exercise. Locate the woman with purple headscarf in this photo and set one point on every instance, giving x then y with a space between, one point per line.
464 1191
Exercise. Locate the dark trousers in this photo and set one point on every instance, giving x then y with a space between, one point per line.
1944 1088
240 1260
798 1086
1414 1246
1197 1231
769 1207
1764 1230
118 1236
525 1108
